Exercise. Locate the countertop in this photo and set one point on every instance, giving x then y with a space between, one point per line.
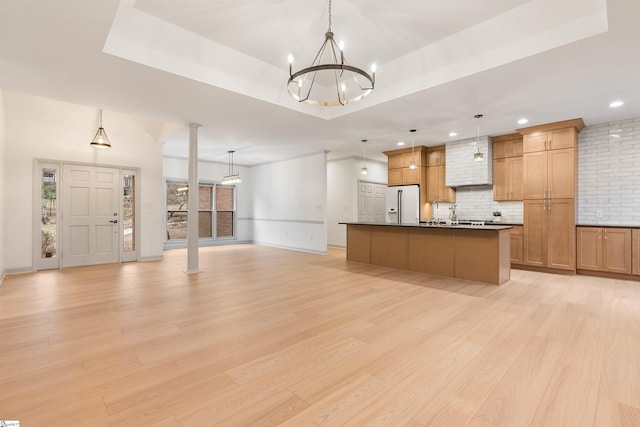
442 225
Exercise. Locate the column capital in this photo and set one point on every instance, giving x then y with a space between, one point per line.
194 125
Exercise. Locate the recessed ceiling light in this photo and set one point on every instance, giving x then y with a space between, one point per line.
400 143
616 104
453 133
523 121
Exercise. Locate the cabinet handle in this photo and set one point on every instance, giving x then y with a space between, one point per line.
599 235
549 205
605 234
545 204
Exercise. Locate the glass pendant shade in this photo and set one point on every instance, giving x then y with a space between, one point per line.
478 157
101 140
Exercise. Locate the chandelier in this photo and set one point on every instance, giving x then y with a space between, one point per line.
340 83
231 178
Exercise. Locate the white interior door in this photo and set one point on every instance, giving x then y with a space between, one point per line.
90 199
371 202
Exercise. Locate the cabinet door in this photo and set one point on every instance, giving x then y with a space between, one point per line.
516 148
562 138
561 174
516 248
589 248
435 157
501 179
433 184
635 251
516 178
501 149
411 176
616 251
447 194
534 175
561 237
394 177
395 161
535 232
532 142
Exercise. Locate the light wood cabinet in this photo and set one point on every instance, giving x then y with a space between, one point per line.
549 233
549 174
516 236
635 251
555 139
507 178
437 191
507 167
604 249
507 146
398 166
436 156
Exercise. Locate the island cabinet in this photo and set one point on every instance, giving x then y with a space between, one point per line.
549 183
437 191
549 233
480 254
604 249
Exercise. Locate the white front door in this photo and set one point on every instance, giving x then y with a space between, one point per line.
90 198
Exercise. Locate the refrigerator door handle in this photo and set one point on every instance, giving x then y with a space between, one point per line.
399 206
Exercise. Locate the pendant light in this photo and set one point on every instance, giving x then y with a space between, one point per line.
478 156
364 170
101 140
413 164
231 178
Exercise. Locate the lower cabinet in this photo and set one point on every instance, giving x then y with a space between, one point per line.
604 249
549 233
635 251
517 237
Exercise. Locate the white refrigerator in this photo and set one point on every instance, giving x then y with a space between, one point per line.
403 204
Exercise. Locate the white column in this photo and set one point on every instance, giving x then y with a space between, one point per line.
192 202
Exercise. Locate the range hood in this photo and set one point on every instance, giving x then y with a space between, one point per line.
461 169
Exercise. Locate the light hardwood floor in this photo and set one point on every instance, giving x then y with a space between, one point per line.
265 336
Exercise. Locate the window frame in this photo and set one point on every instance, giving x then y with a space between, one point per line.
201 240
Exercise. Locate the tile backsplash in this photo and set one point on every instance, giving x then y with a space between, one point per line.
609 174
477 203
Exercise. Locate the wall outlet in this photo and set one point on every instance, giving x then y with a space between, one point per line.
599 213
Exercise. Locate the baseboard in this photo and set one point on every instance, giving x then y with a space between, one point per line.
337 246
151 258
291 248
543 269
609 275
2 275
19 270
183 244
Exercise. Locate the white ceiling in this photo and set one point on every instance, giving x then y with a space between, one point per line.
222 63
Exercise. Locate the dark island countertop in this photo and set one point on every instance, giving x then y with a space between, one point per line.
488 227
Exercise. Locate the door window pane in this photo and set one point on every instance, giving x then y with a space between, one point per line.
49 213
129 214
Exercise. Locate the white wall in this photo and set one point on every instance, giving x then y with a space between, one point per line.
176 168
290 203
40 128
609 174
343 176
3 179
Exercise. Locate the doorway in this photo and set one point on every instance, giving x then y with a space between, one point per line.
85 215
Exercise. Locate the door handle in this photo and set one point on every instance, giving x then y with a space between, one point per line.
114 221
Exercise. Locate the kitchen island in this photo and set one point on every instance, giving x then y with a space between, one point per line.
480 253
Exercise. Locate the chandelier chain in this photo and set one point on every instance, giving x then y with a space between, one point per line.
329 16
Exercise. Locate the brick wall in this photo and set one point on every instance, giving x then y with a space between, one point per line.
609 174
478 203
462 170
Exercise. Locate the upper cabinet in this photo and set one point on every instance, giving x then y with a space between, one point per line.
437 191
507 167
553 136
399 162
